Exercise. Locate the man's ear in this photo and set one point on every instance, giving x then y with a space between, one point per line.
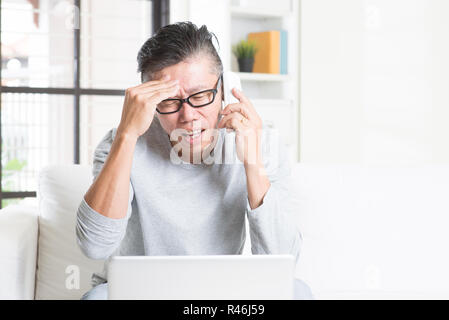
144 77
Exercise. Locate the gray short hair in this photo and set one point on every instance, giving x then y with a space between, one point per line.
175 43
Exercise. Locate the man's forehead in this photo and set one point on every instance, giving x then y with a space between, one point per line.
196 87
193 84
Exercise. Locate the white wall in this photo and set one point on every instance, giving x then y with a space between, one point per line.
374 81
112 33
375 91
204 12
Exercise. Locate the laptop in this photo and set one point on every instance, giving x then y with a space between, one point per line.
215 277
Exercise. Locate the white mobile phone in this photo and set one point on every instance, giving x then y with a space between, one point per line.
230 80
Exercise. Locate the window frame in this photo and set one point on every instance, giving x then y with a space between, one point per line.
160 17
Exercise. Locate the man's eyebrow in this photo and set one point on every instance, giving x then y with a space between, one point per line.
194 89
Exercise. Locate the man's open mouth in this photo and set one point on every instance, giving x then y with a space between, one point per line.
193 136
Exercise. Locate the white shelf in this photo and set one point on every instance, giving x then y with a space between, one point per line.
258 13
276 96
267 102
254 76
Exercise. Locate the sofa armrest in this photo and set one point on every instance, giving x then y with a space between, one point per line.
18 249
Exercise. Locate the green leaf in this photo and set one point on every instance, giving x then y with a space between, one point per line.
14 165
245 49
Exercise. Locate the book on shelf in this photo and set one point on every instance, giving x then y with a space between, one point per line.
284 52
272 55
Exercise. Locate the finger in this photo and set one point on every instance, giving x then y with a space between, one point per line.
159 78
235 115
237 107
157 96
166 79
235 124
243 100
226 118
240 95
136 93
154 86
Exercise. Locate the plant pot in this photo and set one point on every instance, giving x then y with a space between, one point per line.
246 64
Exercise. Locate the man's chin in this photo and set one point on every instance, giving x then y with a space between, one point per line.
195 148
200 140
196 153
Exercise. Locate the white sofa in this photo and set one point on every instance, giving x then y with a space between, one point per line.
369 233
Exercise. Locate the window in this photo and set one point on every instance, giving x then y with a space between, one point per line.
64 67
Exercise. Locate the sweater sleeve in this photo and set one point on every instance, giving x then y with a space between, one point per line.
97 235
273 225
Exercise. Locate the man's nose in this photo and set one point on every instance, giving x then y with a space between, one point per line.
188 113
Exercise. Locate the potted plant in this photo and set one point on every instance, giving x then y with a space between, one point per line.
245 51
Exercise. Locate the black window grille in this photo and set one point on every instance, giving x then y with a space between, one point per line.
75 92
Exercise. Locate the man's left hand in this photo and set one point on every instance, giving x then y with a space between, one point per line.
243 118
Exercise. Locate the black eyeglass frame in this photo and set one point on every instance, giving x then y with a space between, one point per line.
187 100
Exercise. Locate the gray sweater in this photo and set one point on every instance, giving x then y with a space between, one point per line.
177 208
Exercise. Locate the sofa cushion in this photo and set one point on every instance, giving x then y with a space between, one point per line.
373 231
18 249
63 272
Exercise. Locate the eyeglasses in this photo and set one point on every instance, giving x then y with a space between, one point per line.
196 100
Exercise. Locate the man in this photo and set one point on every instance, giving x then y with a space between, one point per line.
156 190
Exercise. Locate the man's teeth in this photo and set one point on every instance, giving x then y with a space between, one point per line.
194 133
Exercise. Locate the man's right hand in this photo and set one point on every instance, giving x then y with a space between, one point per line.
140 105
109 193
